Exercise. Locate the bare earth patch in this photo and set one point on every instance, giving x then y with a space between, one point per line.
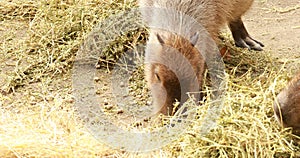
276 23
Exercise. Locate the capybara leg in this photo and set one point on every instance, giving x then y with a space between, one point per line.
242 37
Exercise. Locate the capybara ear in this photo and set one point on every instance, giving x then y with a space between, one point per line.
160 39
194 39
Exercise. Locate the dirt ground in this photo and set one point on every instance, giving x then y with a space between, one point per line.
276 23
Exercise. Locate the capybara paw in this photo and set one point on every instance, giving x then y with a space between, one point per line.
249 43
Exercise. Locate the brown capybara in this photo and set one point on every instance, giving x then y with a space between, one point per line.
287 111
170 84
181 72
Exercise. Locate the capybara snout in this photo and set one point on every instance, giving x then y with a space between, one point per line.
287 105
165 87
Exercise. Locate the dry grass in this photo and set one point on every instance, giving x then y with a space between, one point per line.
38 45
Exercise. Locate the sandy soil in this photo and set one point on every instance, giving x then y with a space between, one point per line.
276 23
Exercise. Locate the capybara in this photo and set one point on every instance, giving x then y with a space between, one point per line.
287 111
212 15
181 72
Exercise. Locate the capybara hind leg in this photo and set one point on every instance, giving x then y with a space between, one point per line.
242 37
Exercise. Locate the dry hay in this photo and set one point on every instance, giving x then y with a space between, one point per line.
39 42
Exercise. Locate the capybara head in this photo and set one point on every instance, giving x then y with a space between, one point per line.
173 68
287 111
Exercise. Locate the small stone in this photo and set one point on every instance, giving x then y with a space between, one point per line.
97 79
97 66
122 84
146 119
108 107
70 100
105 101
120 111
98 91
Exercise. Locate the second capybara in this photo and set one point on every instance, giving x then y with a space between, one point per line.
287 111
170 84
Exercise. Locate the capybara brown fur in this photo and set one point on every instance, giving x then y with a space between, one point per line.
287 111
170 84
181 72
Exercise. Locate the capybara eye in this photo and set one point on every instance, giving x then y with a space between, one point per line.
157 76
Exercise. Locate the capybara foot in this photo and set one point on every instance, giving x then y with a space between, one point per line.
242 38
